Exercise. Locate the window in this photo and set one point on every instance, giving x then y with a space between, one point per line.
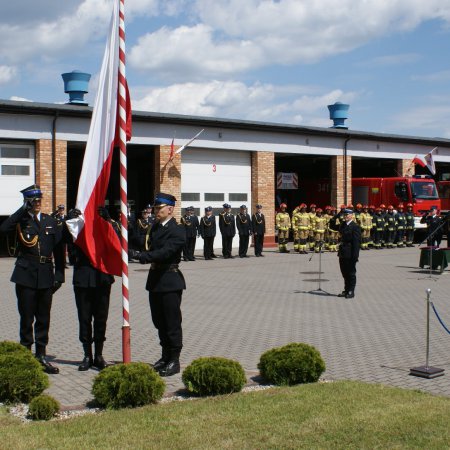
190 197
15 170
424 190
15 152
214 197
238 197
401 191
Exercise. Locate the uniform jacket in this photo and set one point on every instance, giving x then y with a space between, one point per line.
350 241
258 223
47 238
409 218
207 226
244 224
433 223
283 221
191 225
227 225
167 242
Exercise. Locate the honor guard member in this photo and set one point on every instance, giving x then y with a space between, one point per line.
228 230
191 226
400 222
259 230
244 227
60 213
349 253
37 274
389 219
283 223
433 222
379 225
142 230
312 218
301 223
365 223
92 289
409 230
208 233
165 282
320 224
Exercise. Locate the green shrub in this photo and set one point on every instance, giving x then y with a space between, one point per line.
214 376
292 364
21 377
43 407
8 347
127 385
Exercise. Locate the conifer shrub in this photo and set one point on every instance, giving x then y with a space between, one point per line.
21 376
294 363
214 376
43 407
127 386
8 347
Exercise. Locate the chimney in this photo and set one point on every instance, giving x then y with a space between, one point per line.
338 114
76 85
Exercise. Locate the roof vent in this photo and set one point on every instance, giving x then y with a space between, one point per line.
338 114
76 85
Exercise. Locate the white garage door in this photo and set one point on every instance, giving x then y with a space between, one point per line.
215 177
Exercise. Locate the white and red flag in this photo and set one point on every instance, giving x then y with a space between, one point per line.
426 161
95 236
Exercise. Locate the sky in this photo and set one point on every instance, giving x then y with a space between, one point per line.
280 61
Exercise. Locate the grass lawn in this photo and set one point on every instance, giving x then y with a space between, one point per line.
330 415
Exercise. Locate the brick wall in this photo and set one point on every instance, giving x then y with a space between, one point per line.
405 167
337 180
168 175
263 190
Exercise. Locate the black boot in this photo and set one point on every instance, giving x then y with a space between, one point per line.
173 366
87 360
99 361
165 358
48 367
343 294
350 294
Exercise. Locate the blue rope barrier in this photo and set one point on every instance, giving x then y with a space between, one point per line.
439 318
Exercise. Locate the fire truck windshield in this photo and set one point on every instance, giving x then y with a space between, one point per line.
424 190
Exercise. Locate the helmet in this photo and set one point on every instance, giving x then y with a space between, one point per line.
319 210
372 207
342 207
283 205
378 209
390 207
302 206
365 207
358 205
350 206
382 206
409 205
400 205
312 205
327 207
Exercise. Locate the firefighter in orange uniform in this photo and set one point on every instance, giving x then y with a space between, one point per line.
283 224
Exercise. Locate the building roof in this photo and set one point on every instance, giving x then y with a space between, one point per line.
67 110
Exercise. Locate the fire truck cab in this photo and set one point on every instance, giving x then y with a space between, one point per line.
444 194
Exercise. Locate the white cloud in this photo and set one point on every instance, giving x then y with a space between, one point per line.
391 60
7 74
443 75
20 99
234 99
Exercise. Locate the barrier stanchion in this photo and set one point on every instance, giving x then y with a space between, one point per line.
427 371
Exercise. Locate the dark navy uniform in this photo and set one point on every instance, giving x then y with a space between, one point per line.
410 224
434 228
348 255
244 226
38 272
207 231
165 284
259 230
191 226
400 220
228 230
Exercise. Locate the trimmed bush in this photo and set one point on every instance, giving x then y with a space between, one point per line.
292 364
21 377
8 347
127 386
214 376
43 407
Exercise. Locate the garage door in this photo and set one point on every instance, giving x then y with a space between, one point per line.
214 177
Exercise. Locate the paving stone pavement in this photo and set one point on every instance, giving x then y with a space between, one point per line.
240 308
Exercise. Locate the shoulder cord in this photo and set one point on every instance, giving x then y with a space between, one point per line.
30 243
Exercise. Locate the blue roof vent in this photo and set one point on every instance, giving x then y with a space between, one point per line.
76 85
338 114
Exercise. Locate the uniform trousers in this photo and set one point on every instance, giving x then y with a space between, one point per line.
92 306
243 244
208 247
34 306
259 243
348 271
189 248
227 243
166 316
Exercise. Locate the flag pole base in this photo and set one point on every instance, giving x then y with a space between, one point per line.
126 344
426 372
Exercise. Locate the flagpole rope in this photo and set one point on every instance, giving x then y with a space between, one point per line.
126 344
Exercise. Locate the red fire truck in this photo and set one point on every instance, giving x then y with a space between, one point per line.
420 190
444 194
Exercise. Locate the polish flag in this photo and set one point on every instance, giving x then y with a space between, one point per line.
426 161
95 236
172 150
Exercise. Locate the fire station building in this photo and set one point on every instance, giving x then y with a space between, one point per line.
233 161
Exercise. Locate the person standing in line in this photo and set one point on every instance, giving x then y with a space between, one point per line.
283 224
207 230
191 226
259 230
35 276
228 229
349 253
244 226
409 218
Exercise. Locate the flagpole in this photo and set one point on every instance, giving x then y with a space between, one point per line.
126 338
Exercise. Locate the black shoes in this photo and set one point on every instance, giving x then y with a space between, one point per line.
350 294
48 367
171 368
85 364
160 364
99 362
343 294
